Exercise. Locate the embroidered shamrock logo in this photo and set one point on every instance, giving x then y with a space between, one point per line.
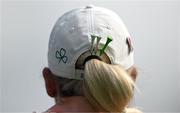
61 55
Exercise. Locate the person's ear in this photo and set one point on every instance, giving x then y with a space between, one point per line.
49 82
133 73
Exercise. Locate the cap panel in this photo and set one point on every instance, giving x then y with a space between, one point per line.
68 38
107 23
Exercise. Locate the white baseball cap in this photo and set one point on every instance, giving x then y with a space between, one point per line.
92 30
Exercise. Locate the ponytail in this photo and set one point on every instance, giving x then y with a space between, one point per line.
107 86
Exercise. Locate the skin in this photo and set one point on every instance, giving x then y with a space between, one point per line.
73 103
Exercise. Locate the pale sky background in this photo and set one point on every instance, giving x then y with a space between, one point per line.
25 28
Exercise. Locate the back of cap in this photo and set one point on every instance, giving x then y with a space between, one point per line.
72 36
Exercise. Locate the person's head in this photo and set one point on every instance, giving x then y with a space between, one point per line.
90 54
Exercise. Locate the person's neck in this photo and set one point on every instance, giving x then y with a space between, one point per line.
72 104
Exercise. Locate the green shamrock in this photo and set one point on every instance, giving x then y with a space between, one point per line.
61 55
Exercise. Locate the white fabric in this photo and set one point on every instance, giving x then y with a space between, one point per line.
71 36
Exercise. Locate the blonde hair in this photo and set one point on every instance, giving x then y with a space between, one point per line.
107 86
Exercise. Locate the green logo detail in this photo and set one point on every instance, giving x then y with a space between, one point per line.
61 55
95 49
109 39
